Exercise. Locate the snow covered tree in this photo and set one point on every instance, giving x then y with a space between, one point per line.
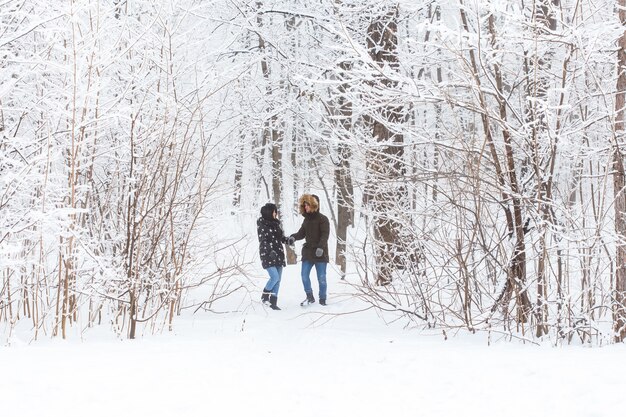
619 184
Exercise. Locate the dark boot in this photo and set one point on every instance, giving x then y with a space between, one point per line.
273 301
265 297
322 301
309 299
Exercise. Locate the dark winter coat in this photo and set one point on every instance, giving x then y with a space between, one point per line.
314 230
271 239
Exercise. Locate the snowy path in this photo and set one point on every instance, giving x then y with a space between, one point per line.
267 363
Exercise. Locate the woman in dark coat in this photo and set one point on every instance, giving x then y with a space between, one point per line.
271 239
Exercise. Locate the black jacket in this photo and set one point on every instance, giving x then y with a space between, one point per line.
271 239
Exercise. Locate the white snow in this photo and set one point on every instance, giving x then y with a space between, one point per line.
306 362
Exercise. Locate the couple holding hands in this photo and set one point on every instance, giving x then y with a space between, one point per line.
314 230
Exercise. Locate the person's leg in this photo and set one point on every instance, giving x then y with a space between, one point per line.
274 279
306 282
320 270
272 286
306 279
278 274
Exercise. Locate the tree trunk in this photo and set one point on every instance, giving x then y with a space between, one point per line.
517 271
341 111
239 172
536 67
290 253
619 308
385 164
343 177
277 165
507 179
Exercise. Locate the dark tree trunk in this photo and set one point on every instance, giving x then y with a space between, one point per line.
343 177
619 308
385 162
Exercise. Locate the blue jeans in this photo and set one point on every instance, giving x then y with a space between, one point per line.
320 269
273 284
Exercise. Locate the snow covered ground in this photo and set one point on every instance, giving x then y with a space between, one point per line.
296 362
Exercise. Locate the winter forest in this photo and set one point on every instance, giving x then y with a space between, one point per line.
468 153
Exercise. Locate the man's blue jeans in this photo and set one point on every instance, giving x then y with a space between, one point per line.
273 284
320 269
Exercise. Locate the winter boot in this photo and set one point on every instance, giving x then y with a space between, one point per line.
265 297
273 301
322 301
309 299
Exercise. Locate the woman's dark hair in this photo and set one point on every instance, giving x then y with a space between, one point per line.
267 211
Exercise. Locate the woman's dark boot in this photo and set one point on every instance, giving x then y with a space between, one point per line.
273 301
265 297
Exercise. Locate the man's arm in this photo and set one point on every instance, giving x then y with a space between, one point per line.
324 232
299 235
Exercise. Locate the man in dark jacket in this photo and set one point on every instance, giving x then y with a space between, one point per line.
314 230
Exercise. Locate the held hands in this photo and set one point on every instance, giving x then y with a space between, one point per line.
319 252
291 240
